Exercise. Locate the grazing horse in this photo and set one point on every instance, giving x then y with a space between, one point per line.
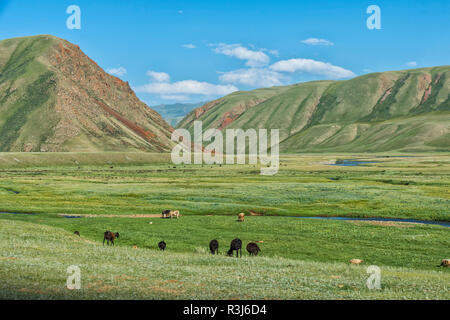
253 249
170 214
166 214
162 246
110 237
241 217
214 247
236 244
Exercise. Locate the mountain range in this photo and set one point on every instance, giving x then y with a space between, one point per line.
407 111
54 98
174 113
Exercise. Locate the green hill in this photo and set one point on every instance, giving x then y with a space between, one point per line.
55 98
390 111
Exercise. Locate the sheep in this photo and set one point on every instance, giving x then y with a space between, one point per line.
236 244
356 261
162 246
110 237
445 263
214 247
253 249
77 233
175 214
241 217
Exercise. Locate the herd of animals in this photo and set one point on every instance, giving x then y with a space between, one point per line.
236 244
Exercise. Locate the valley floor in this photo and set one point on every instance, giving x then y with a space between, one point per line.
300 258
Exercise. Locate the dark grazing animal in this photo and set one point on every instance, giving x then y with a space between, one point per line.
76 233
214 247
253 249
162 246
166 214
110 237
236 244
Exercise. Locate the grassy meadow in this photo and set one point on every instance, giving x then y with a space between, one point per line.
300 258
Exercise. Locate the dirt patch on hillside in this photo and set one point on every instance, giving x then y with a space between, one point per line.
236 112
386 94
203 109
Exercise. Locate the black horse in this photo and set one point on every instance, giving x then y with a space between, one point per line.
214 247
236 244
162 246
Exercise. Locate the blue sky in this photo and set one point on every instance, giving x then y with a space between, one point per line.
186 51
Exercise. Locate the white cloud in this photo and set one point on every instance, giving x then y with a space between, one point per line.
273 52
158 76
189 46
181 90
313 67
121 71
412 64
175 97
187 87
318 42
254 58
256 77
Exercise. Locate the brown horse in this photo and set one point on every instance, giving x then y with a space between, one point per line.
253 249
110 237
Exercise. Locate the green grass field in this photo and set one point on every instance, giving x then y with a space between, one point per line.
300 258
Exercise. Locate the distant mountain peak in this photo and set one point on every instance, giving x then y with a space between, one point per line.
174 113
